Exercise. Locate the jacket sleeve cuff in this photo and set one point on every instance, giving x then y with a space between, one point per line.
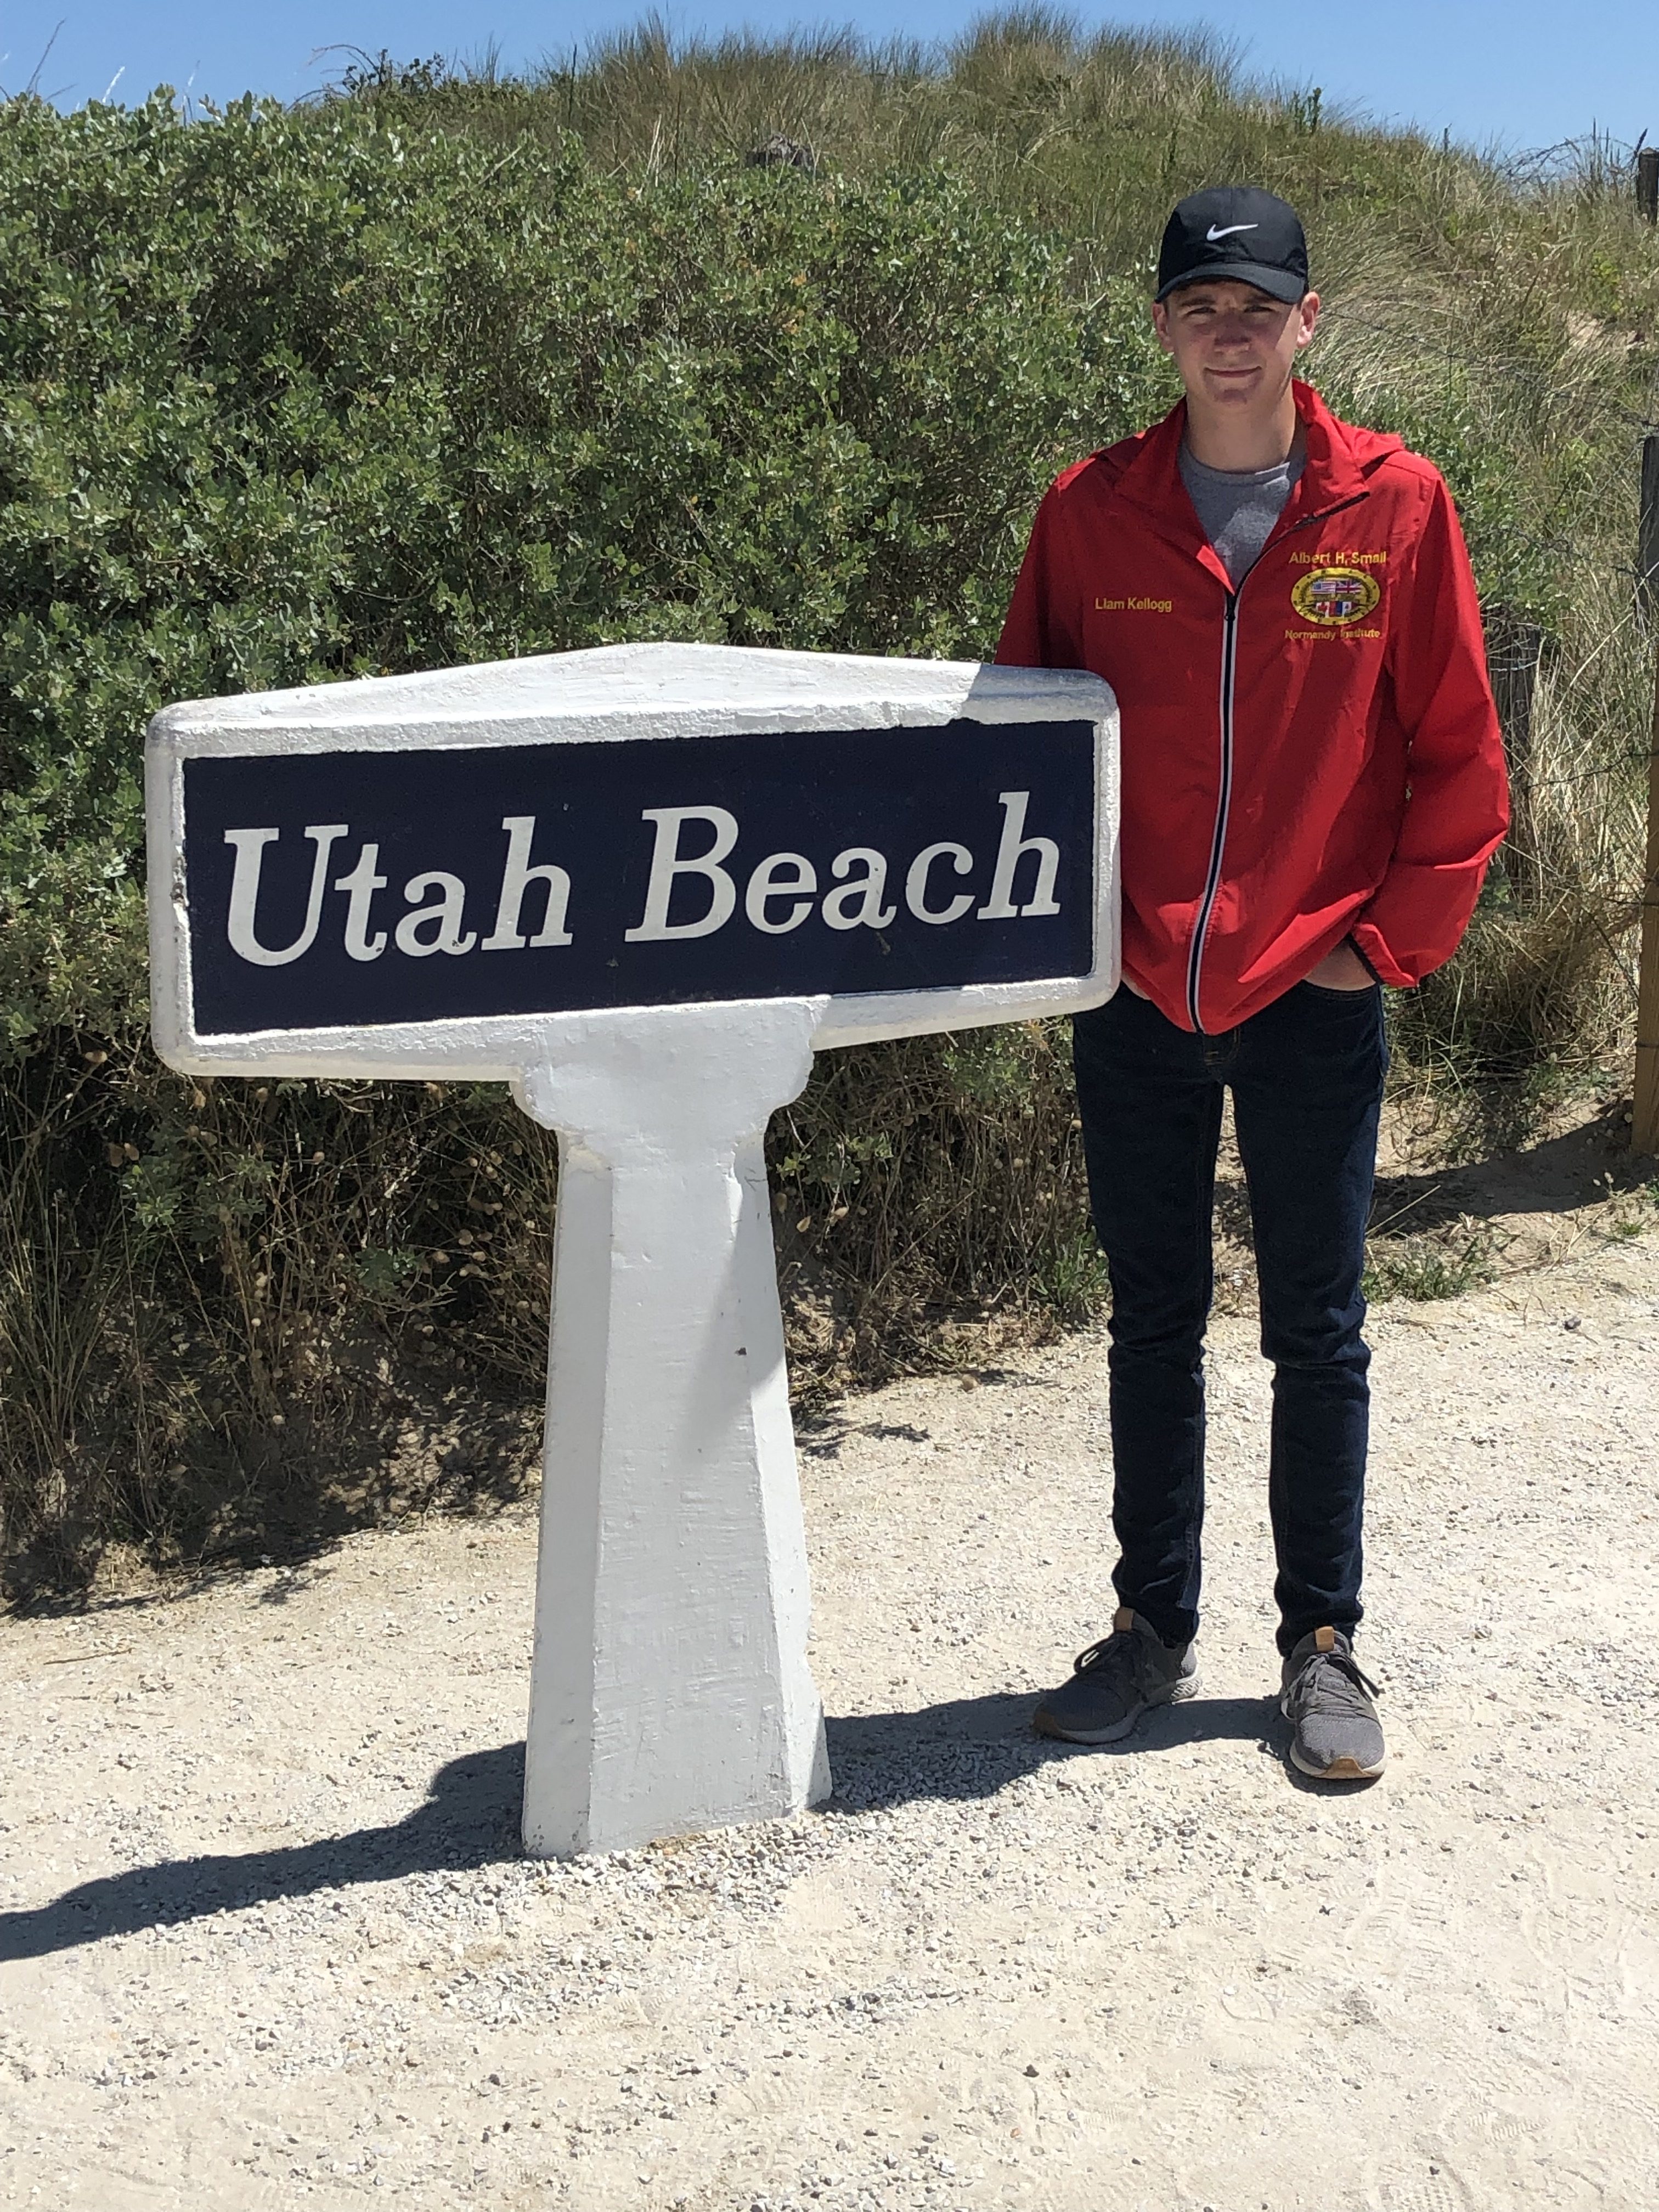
1368 942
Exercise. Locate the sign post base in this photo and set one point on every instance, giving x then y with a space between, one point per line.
670 1690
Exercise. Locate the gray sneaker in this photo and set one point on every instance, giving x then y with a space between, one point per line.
1335 1733
1115 1681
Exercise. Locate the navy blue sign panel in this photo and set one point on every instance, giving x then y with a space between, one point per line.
347 889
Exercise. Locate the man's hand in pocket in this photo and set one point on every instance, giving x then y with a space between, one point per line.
1341 971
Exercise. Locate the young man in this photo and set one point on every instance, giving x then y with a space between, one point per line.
1312 784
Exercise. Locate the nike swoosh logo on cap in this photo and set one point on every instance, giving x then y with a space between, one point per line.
1213 233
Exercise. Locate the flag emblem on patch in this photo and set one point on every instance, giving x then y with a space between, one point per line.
1332 596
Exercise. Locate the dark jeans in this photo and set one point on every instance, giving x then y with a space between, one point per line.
1306 1075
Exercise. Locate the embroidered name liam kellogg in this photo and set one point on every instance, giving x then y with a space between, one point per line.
1134 606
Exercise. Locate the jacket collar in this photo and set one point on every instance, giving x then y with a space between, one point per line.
1332 475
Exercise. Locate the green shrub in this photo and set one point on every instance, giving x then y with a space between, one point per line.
291 397
295 396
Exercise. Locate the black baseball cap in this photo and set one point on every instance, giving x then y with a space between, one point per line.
1235 232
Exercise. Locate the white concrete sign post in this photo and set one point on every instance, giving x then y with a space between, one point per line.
641 885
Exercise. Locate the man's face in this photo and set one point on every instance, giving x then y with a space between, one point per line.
1234 346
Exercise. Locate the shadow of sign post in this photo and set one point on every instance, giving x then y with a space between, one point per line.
641 885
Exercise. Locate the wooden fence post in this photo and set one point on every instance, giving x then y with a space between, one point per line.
1514 647
1647 182
1647 535
1644 1118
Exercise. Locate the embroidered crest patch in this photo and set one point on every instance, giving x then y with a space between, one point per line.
1333 597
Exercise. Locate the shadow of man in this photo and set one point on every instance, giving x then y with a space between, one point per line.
976 1746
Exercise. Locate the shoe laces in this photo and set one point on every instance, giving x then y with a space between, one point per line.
1120 1642
1347 1693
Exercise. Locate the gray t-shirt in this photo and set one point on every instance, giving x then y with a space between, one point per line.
1238 507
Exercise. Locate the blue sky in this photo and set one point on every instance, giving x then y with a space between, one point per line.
1524 73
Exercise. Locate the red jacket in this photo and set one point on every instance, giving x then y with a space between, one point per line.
1313 756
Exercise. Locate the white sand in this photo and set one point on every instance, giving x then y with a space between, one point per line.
265 1939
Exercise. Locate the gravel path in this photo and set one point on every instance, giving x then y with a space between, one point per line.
264 1941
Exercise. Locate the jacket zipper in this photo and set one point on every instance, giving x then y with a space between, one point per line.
1223 801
